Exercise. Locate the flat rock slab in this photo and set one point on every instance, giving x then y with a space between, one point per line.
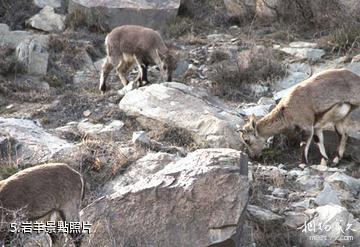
30 143
198 200
210 122
108 14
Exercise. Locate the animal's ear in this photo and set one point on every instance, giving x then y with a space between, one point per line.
253 123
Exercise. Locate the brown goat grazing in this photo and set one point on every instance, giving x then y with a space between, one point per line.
41 191
129 44
327 98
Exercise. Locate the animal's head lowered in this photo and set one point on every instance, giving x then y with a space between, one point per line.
167 64
250 137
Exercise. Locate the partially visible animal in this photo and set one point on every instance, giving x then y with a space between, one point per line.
323 100
43 191
129 44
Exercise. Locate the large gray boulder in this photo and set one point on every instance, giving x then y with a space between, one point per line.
12 38
331 225
198 200
47 20
32 54
112 13
150 164
23 142
209 121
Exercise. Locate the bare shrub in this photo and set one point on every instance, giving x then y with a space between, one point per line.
179 26
342 39
9 217
206 15
218 56
101 161
15 13
8 62
320 14
174 136
252 66
78 20
69 53
192 39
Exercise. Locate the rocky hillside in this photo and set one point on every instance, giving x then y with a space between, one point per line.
163 164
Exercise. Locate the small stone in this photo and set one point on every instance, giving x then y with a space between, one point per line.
302 166
310 182
266 101
87 113
303 203
140 137
355 59
344 182
279 192
295 219
264 215
302 44
131 86
259 110
327 196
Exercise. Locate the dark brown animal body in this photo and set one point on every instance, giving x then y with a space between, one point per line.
129 44
43 190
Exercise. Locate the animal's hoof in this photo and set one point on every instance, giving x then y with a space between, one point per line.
335 161
323 162
302 166
102 88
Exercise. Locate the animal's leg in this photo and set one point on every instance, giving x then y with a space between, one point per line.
54 238
142 71
340 130
120 69
70 213
144 78
334 115
105 71
319 140
306 146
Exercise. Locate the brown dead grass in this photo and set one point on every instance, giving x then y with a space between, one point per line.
253 66
174 137
8 63
15 13
101 161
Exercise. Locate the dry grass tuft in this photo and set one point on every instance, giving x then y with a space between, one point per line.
15 13
8 62
174 137
100 162
253 66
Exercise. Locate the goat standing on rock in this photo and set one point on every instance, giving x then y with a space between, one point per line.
129 44
322 100
42 191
